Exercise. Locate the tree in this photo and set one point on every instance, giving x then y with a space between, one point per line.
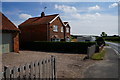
100 41
103 34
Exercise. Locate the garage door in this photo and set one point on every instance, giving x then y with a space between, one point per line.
6 42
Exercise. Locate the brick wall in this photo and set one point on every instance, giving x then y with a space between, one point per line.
16 42
67 34
59 33
33 33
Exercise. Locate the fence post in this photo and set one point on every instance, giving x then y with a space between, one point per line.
32 71
15 72
53 67
21 72
55 76
7 73
50 71
40 69
4 72
36 70
27 71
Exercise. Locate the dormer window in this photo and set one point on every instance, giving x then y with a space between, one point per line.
55 28
61 29
67 30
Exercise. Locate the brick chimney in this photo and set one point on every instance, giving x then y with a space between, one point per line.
42 14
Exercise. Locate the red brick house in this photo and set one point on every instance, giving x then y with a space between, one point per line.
44 28
67 31
10 35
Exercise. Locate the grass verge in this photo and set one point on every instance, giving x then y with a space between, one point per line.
99 56
106 44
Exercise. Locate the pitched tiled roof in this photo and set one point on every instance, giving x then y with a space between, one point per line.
6 24
39 20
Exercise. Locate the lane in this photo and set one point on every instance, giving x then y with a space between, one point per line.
115 46
106 68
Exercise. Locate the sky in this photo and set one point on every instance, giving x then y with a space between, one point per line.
85 18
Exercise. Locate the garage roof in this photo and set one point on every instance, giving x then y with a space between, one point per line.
6 24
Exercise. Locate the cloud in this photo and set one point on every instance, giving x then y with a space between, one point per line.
24 16
71 12
94 8
94 24
97 14
88 23
66 9
113 5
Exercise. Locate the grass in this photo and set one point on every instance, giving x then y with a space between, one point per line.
98 56
106 44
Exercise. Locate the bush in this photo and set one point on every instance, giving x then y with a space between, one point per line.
71 47
100 41
97 48
112 39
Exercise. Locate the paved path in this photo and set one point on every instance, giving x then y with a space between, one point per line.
107 68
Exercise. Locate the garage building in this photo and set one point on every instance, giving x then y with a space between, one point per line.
10 35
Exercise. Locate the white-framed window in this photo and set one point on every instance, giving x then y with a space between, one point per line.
67 30
55 28
61 29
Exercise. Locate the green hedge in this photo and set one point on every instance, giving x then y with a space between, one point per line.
71 47
113 39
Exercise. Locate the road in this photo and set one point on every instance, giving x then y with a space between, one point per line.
106 68
115 46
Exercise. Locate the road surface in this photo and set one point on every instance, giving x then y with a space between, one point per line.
106 68
115 46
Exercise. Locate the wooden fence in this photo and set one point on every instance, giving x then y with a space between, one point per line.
91 50
40 70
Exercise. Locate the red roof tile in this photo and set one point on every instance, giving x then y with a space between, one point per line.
6 24
39 20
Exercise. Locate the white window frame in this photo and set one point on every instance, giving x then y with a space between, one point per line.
67 30
55 28
61 29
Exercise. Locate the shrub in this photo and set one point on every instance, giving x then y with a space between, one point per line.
71 47
100 41
112 39
97 48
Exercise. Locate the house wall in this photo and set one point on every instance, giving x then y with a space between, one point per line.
67 34
33 33
60 34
